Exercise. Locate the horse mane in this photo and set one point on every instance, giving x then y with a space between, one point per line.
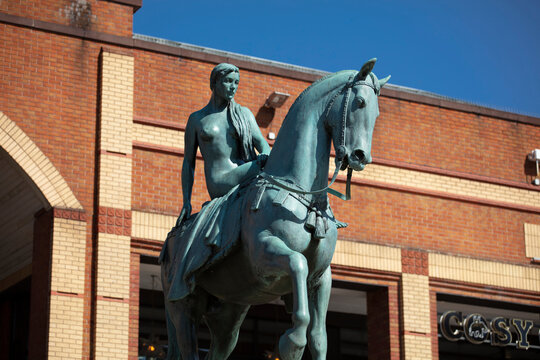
317 82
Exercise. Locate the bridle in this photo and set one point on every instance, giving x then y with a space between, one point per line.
340 148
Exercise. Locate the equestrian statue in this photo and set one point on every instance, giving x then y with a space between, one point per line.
268 232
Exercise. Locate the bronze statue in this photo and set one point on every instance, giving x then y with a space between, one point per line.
274 234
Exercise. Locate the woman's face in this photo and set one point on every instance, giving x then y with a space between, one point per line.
226 85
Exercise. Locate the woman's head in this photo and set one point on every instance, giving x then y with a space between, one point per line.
227 74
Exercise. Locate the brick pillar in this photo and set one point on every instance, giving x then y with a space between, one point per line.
383 324
57 294
134 306
415 305
434 326
114 199
39 293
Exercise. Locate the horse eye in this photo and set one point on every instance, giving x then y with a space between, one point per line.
361 101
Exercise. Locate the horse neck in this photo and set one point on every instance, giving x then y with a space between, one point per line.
302 148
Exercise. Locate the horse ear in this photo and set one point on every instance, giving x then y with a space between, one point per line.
382 82
366 69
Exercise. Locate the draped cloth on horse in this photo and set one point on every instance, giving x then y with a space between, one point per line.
202 240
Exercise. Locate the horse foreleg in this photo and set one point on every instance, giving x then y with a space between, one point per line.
319 296
275 258
173 352
181 325
224 324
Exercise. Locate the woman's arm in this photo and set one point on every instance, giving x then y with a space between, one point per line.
259 142
188 168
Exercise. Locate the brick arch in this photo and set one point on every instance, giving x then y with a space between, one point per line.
36 165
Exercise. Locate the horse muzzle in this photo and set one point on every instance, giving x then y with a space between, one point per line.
357 160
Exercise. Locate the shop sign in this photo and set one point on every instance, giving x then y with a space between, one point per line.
476 329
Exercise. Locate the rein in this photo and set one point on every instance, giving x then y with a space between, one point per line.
339 149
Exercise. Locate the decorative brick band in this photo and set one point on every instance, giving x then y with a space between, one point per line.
452 173
440 194
70 214
414 262
370 256
489 273
490 292
114 221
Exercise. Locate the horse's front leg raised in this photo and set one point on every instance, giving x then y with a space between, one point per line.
274 258
319 296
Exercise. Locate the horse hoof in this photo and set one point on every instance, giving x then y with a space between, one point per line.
291 345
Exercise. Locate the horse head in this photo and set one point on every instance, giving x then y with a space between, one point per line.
351 116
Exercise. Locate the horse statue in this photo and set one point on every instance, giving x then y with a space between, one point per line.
284 236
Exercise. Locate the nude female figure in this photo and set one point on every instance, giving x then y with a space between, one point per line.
227 135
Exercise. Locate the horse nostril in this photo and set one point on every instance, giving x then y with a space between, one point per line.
360 156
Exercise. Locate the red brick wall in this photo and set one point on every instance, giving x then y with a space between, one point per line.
424 222
50 91
453 140
157 184
104 16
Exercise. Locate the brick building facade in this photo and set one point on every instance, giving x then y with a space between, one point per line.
92 119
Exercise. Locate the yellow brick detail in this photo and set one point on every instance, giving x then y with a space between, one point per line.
484 272
65 327
417 347
532 240
112 330
370 256
446 184
36 165
158 136
68 256
113 266
115 181
116 103
415 302
151 226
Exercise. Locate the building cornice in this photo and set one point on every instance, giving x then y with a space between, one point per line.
136 4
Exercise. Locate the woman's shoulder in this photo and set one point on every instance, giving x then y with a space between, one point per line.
196 117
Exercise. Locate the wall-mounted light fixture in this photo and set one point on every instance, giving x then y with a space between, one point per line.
276 99
535 156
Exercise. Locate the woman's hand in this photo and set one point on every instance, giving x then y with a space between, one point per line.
184 214
261 160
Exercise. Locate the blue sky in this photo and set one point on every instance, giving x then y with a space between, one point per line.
481 51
